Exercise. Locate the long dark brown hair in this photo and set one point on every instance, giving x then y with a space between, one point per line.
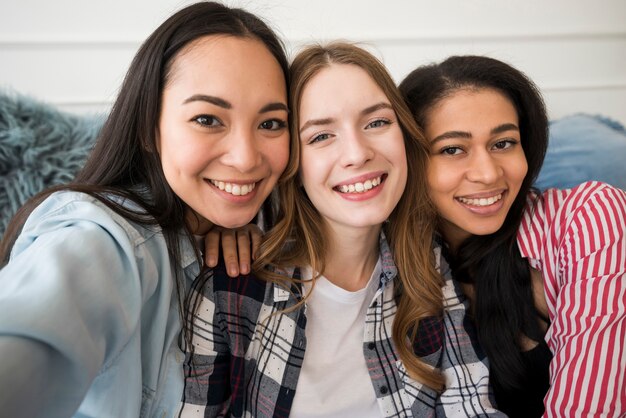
125 161
503 306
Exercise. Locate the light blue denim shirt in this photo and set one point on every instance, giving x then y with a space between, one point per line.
89 317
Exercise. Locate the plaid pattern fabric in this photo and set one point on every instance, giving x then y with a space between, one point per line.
249 347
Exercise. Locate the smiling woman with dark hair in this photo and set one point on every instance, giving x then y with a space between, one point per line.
546 272
95 274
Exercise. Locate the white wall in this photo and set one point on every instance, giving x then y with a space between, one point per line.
75 53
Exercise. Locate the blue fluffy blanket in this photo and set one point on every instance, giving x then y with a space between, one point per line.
40 146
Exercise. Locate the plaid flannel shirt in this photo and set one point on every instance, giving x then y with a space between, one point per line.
249 348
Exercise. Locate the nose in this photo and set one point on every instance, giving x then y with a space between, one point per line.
356 150
483 168
242 151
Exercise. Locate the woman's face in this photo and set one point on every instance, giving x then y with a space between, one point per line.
477 164
223 138
352 160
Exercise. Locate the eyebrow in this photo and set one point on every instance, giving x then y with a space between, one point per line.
217 101
374 108
316 122
466 135
274 106
364 112
504 127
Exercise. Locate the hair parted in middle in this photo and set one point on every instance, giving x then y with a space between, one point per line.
411 225
503 305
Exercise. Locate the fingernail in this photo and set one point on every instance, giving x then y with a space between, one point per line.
245 269
211 261
232 270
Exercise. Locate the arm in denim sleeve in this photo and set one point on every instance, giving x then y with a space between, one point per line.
69 302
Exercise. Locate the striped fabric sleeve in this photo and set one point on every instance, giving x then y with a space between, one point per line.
578 235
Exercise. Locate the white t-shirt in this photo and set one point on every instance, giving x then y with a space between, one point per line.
334 381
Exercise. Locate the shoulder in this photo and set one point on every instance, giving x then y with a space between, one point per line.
80 211
556 212
575 233
562 204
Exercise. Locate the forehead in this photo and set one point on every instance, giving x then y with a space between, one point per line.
340 85
470 107
224 56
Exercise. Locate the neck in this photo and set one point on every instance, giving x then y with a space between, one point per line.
351 257
197 224
453 236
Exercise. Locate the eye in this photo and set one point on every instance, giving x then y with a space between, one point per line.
451 151
318 138
208 121
273 124
504 144
378 123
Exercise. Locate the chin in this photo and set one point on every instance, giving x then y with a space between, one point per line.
485 230
234 223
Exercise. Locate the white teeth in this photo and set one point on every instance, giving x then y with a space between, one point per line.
483 201
360 187
234 189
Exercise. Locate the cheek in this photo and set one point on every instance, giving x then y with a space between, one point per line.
185 159
278 155
315 168
518 170
178 156
441 179
308 168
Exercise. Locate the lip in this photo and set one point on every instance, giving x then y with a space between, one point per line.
366 195
362 178
490 210
231 197
482 195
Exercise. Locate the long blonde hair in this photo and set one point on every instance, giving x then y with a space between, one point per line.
299 236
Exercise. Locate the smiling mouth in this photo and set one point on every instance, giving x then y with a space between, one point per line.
361 187
234 189
483 201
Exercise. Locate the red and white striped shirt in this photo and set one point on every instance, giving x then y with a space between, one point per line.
577 239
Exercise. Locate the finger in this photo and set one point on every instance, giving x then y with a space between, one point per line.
212 247
229 249
243 244
256 234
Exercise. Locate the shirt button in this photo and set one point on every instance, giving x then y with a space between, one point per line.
371 346
384 390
